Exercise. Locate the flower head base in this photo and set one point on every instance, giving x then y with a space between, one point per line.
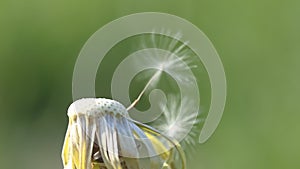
101 135
97 107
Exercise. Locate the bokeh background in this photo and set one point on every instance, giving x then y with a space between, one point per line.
258 42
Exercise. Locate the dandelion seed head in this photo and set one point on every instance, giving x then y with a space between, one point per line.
100 133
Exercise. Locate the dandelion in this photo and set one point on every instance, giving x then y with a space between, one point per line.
101 135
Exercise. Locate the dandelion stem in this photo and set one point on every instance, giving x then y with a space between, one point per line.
157 74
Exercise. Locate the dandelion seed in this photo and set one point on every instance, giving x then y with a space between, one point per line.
175 121
180 114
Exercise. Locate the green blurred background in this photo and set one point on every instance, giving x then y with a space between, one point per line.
258 42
